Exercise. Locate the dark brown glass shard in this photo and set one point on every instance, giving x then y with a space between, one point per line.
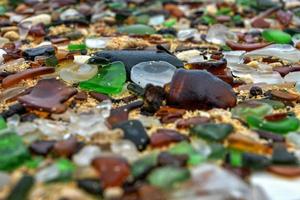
165 137
194 89
113 171
190 122
48 95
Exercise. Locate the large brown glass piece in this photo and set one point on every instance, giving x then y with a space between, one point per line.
48 95
194 89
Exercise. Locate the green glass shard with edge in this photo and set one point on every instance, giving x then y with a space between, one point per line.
13 151
109 80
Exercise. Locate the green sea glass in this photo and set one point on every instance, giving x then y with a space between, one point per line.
143 165
170 23
251 108
236 159
283 126
2 123
169 176
277 36
109 80
186 148
13 151
213 132
137 29
76 47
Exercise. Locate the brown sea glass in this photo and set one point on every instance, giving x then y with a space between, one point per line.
216 67
163 137
168 114
247 144
66 147
27 74
245 46
113 171
288 171
284 95
286 69
195 89
48 95
190 122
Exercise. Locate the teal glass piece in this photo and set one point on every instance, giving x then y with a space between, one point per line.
218 151
3 10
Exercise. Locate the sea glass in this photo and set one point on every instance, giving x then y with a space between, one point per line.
156 20
168 176
247 144
152 72
143 165
276 36
281 126
292 77
251 108
22 188
85 156
185 34
137 29
2 123
13 151
125 148
210 181
214 132
282 51
97 42
61 170
219 34
109 80
76 47
77 73
36 19
186 148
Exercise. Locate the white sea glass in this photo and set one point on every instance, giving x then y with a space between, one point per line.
153 72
